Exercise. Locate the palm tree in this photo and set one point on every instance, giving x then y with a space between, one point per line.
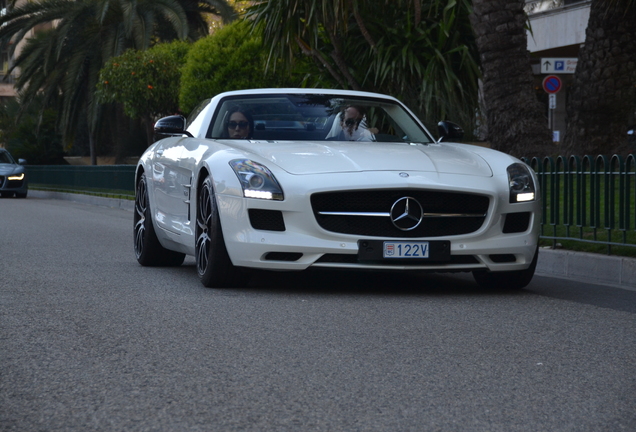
603 94
420 51
85 33
195 13
514 116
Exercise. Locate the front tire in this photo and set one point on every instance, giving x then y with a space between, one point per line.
148 250
214 266
510 280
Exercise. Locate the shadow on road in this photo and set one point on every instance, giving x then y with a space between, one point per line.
332 282
347 282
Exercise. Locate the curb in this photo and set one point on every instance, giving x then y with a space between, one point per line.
587 267
85 199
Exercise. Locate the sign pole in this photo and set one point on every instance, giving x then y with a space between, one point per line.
552 84
552 106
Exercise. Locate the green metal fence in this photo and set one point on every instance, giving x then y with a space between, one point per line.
585 199
588 199
107 179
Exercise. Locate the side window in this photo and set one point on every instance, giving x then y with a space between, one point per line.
234 119
384 126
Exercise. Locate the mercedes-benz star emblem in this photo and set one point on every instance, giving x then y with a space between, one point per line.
406 213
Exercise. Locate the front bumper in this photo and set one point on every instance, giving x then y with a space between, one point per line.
304 244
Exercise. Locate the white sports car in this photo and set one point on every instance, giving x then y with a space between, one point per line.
291 179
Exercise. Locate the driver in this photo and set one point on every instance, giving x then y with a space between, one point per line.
240 124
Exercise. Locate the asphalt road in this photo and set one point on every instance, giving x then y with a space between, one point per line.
91 341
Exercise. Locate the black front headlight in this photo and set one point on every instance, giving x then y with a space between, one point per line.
521 182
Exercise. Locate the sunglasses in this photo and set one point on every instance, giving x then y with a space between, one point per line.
351 122
241 124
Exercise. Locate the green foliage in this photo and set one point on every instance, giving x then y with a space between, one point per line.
63 63
431 66
233 58
31 133
228 59
146 83
421 52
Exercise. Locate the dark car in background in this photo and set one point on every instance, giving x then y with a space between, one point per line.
13 178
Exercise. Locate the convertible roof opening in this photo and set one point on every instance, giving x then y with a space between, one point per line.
315 117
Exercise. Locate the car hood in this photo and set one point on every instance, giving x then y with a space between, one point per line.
6 169
335 156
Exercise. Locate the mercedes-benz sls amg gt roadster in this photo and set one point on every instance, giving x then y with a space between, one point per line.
293 179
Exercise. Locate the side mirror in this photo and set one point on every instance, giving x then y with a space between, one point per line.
22 161
170 126
449 131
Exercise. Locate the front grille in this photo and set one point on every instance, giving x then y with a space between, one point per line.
270 220
447 213
1 180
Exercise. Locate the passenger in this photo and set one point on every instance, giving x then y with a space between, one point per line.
240 124
352 124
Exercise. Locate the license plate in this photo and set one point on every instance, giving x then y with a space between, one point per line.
406 250
375 251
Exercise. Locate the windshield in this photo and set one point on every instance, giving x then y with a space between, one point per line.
5 158
314 117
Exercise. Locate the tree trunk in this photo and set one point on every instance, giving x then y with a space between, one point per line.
91 147
149 126
339 59
514 115
602 99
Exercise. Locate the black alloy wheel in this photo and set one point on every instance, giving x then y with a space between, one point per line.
214 266
148 250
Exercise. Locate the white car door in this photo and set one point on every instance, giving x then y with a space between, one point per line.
171 187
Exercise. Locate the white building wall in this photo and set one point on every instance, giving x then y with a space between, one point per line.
557 28
558 31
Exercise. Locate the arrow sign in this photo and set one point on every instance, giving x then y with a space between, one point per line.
552 84
558 65
547 65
